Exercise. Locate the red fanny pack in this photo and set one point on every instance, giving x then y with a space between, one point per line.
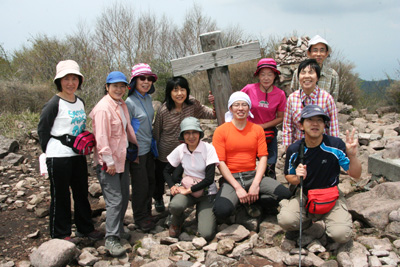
84 143
321 201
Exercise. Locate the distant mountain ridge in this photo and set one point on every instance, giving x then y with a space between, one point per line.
371 87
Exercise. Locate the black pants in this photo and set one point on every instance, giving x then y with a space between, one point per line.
160 182
65 173
142 181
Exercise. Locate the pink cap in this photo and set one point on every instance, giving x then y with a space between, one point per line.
266 63
142 69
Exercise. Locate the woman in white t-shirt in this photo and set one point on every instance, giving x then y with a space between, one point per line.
197 187
62 119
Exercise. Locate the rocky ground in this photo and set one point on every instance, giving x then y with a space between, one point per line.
245 241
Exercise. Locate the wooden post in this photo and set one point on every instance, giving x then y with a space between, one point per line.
215 59
218 76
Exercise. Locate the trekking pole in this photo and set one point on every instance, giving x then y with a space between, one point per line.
301 157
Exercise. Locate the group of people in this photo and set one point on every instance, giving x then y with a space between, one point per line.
131 149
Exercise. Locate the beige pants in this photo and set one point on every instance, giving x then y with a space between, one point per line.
338 221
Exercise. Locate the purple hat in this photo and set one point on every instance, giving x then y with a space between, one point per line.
142 69
266 63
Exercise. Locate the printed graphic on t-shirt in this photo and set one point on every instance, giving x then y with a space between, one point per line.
79 120
263 104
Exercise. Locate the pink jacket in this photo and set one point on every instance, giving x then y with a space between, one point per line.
111 139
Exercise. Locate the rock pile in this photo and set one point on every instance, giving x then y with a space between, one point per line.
373 203
289 54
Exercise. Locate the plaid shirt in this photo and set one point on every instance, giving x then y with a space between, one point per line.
329 81
295 103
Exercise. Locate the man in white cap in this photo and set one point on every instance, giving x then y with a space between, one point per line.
238 143
319 50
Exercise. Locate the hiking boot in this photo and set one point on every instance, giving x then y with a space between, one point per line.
174 230
292 235
94 235
159 205
124 235
146 224
113 246
168 220
271 210
152 218
71 239
253 210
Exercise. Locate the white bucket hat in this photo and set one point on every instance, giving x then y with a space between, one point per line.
318 39
67 67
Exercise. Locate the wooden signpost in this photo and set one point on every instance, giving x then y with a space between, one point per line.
215 59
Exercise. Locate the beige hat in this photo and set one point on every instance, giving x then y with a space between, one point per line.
67 67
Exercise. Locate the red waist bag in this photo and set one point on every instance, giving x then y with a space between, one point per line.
84 143
321 201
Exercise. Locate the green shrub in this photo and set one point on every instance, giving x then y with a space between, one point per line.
18 125
17 97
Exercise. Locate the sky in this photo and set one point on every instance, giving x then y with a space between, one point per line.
364 32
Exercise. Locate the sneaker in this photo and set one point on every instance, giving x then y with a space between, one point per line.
72 240
124 235
113 245
174 230
253 210
145 225
159 205
94 235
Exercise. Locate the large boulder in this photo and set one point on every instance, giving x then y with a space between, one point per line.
373 207
54 253
10 145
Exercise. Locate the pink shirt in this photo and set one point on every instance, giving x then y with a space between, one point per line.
264 111
108 128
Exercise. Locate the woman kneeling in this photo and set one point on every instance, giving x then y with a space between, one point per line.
198 160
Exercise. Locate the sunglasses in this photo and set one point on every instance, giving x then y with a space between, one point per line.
149 78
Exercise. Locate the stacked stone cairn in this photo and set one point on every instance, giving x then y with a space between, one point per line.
289 54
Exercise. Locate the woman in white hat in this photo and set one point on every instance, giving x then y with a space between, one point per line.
62 119
111 126
197 187
141 114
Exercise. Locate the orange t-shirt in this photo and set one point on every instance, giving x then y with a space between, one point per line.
239 148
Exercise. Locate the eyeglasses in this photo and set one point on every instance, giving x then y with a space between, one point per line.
149 78
236 105
322 50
